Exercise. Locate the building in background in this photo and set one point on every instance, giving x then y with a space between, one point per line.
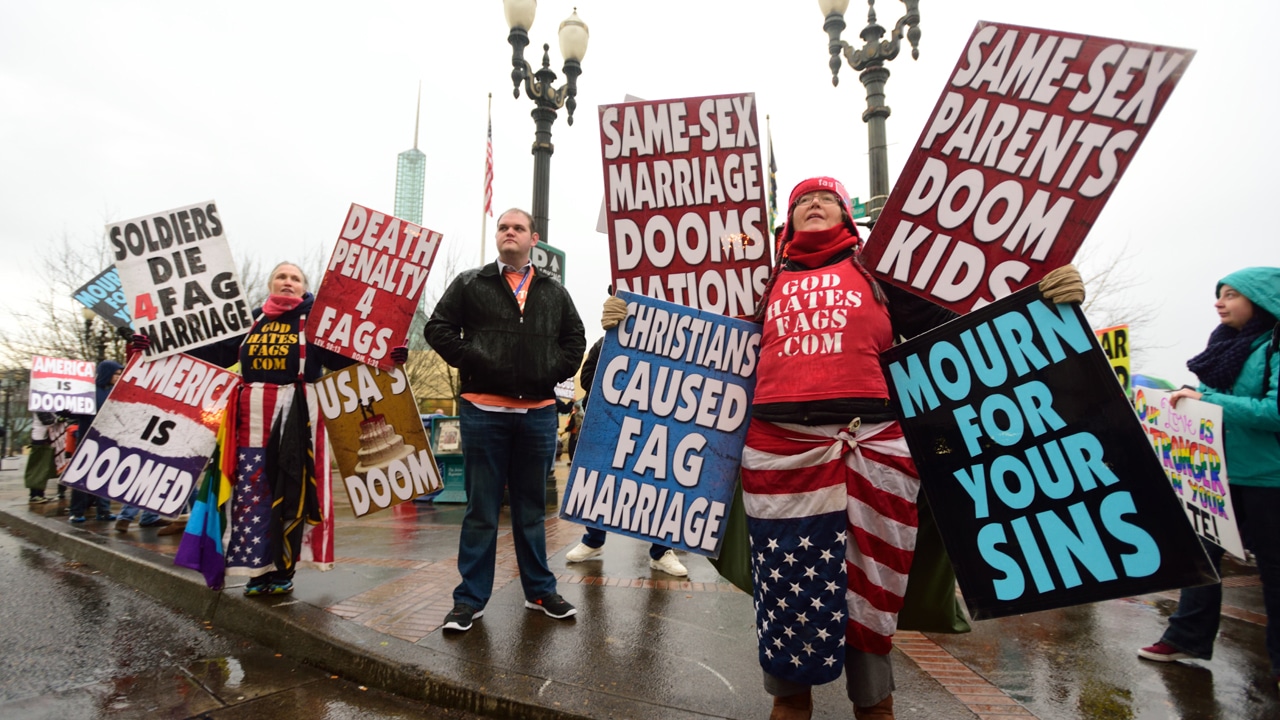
411 174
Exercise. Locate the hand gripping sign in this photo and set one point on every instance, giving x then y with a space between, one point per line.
65 387
372 286
1025 146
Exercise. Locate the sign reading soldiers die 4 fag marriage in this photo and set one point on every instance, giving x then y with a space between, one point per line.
1052 494
177 271
1030 136
685 201
372 286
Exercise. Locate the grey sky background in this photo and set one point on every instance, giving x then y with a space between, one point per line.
287 112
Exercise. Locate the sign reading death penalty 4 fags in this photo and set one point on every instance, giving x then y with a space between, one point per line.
1023 149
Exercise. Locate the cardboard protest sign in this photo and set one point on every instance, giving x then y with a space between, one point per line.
659 450
1040 476
62 386
178 274
685 201
154 434
565 390
105 296
1115 343
548 261
1023 149
1188 441
372 286
377 437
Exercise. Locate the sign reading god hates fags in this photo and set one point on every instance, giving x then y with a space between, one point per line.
377 437
1052 495
63 386
177 271
1023 149
372 286
154 434
666 421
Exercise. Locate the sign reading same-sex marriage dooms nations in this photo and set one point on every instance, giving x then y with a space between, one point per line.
1052 495
105 296
377 437
154 434
372 286
685 201
1029 138
666 420
62 386
180 279
1188 441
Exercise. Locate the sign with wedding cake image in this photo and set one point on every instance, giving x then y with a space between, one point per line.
377 437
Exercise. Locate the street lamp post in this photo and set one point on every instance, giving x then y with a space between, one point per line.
870 61
538 86
95 342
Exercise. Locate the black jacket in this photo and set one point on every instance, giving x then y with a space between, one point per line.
477 327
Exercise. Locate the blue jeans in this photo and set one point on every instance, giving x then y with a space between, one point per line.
1194 626
515 450
130 513
595 538
82 502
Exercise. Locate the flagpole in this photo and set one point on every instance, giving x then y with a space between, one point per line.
487 206
773 179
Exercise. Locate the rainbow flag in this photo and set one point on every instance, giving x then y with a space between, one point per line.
201 546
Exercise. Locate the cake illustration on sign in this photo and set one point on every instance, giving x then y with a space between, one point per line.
380 444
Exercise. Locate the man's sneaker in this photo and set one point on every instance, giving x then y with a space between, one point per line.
669 564
553 605
77 519
1162 652
460 617
583 552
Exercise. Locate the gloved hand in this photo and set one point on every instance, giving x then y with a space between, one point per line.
615 311
138 343
400 354
1063 286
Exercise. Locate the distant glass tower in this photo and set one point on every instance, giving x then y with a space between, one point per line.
411 174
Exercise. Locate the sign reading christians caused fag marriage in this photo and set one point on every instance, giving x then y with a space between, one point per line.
177 271
62 386
667 418
372 286
685 201
1188 441
1023 149
377 437
1052 495
105 296
154 434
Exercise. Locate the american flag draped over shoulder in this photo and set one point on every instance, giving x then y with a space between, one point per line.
815 495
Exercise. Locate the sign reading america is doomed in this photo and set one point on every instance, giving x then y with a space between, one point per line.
1023 149
1053 497
62 386
178 274
372 286
685 201
154 434
666 421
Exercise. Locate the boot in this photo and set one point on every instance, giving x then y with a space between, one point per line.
882 710
793 707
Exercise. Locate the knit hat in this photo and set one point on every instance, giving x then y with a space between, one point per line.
821 183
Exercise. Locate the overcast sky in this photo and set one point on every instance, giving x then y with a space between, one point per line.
285 113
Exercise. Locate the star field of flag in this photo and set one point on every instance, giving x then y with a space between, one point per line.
251 513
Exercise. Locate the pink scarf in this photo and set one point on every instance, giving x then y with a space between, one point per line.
277 305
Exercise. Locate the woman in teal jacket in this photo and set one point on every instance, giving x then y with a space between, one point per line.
1240 371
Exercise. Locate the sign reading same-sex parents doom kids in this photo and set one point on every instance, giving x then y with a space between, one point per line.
154 434
105 296
1188 441
62 386
1052 494
1027 142
666 421
377 437
372 286
685 201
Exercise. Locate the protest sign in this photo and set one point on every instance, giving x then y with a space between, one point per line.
685 201
154 434
105 296
548 261
64 387
1115 343
1188 441
565 390
372 286
1027 142
377 437
1040 475
659 450
177 272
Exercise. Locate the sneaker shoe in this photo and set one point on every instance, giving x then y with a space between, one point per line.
583 552
37 499
105 518
252 590
669 564
460 617
553 605
1162 652
280 588
77 519
122 525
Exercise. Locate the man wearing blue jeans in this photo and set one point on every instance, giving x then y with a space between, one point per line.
512 334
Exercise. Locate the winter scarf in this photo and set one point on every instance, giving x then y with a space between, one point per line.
1223 359
277 305
813 249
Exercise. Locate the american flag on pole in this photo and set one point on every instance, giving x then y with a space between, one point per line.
773 185
488 169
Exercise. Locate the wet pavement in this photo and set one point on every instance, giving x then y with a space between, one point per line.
645 645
